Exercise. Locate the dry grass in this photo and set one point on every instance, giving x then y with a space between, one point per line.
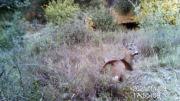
64 71
75 70
78 68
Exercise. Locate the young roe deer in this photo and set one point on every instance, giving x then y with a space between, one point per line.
119 67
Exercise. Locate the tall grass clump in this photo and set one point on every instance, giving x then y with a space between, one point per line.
60 11
103 19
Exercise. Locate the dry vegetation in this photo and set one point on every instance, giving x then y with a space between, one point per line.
72 73
62 62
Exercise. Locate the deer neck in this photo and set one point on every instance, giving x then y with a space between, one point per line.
129 60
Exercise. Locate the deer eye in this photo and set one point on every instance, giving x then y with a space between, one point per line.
130 48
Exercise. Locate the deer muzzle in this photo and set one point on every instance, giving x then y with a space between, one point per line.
136 53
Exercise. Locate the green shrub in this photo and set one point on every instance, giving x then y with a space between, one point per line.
4 40
124 6
41 2
160 11
14 3
34 12
85 4
73 32
12 31
104 19
96 3
161 36
158 41
42 41
15 80
40 44
164 40
60 10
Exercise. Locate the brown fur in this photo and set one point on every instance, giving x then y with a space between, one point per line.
127 65
119 67
110 63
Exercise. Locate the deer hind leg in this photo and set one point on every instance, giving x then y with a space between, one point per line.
122 78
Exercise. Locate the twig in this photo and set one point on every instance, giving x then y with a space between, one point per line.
2 5
3 70
134 5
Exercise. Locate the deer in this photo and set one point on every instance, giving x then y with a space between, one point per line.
120 67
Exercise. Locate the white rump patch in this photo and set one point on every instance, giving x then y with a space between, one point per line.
115 78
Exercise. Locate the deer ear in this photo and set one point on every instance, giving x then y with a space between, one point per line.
125 42
132 41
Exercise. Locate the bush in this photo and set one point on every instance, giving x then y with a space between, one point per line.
35 12
158 41
161 11
156 20
124 6
73 32
85 4
14 3
41 42
104 19
12 31
41 2
16 82
163 40
60 10
96 3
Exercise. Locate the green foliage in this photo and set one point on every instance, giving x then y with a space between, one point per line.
60 11
73 32
103 19
124 6
40 44
10 4
16 84
34 12
96 3
156 18
11 32
158 11
41 2
85 4
163 40
6 15
158 41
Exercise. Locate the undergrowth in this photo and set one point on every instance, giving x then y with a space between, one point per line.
62 62
11 31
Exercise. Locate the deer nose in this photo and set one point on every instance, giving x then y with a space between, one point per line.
136 53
